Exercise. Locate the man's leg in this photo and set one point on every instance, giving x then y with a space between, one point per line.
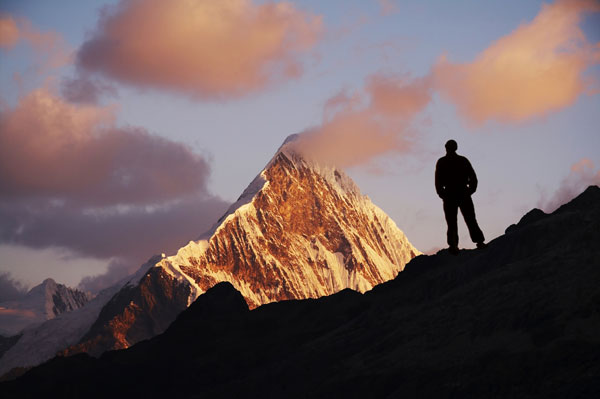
468 211
451 212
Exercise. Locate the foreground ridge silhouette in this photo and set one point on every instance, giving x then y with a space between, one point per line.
520 319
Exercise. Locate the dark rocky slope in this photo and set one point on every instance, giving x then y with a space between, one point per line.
519 319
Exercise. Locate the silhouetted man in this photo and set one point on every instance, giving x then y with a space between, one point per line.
455 181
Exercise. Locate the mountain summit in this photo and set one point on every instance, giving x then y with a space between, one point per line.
300 230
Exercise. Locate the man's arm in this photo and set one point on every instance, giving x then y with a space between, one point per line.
439 184
471 177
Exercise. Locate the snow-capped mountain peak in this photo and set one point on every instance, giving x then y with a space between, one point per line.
300 229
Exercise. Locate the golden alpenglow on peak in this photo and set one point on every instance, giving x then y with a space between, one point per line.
300 230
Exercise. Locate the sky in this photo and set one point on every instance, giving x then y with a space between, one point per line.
127 127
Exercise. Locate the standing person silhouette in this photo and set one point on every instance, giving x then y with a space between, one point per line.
455 182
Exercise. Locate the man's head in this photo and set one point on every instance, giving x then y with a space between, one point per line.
451 146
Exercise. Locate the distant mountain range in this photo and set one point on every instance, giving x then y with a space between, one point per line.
520 318
43 302
40 342
300 230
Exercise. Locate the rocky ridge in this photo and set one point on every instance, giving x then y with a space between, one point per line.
519 319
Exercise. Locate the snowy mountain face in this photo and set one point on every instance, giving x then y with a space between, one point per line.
300 230
43 302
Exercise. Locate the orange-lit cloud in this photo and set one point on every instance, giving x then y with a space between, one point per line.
54 148
23 313
374 121
536 69
9 32
71 178
582 175
206 49
48 46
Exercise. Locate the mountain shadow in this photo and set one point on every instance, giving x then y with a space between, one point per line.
518 319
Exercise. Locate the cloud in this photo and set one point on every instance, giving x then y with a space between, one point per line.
10 289
374 121
125 236
387 7
206 49
71 178
84 89
582 175
117 270
16 313
9 33
55 149
536 69
126 232
13 320
49 47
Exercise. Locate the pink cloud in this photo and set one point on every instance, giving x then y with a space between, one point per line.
398 97
9 32
206 49
49 47
387 7
582 175
56 149
374 121
71 178
536 69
